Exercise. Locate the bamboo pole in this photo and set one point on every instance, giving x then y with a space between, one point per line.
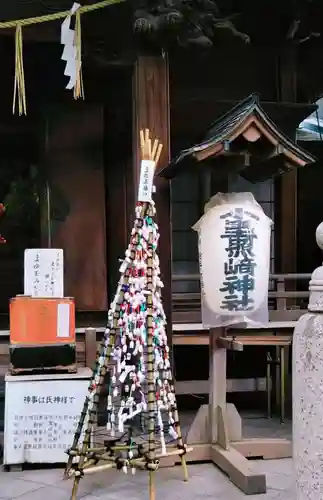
102 368
89 455
99 468
174 452
150 376
154 155
102 364
150 153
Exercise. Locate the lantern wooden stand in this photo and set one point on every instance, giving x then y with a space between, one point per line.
216 429
244 140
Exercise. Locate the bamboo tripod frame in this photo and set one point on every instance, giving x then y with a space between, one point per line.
95 459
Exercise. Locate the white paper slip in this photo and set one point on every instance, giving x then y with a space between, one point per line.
69 51
44 272
63 320
147 171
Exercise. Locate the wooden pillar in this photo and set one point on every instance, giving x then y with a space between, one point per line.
288 207
217 390
151 110
288 191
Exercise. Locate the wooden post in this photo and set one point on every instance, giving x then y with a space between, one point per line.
90 347
218 387
151 110
288 202
289 199
288 235
288 195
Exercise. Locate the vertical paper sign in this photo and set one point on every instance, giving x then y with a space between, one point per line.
44 272
146 180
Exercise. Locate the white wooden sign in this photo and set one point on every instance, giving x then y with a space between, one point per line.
146 180
41 416
44 272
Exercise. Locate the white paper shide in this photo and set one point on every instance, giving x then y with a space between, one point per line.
234 249
69 51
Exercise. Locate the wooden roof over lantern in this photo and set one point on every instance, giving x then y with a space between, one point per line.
243 140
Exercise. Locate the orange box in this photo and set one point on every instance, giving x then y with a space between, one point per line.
42 321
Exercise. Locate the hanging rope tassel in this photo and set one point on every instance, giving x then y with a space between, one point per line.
19 84
78 89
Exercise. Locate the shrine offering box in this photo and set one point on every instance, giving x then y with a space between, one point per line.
42 334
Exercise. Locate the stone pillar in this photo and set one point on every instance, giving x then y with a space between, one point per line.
308 391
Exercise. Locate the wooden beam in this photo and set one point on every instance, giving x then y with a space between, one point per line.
233 385
239 470
268 449
151 110
230 344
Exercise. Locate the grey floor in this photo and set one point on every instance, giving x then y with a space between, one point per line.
253 425
205 480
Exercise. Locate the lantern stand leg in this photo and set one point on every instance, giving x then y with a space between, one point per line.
209 430
223 455
268 383
282 384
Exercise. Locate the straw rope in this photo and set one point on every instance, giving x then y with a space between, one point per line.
57 15
19 96
19 93
78 88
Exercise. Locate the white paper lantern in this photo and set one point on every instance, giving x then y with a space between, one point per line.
234 248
